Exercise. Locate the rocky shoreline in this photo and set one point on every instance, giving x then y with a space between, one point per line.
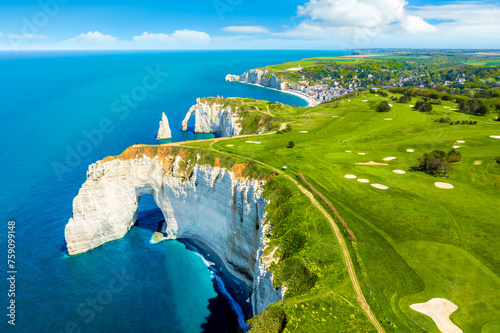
257 77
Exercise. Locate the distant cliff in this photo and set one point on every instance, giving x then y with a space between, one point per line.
212 117
220 207
257 76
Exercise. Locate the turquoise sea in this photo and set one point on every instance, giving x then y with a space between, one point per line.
60 112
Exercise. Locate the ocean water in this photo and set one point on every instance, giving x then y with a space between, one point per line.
60 112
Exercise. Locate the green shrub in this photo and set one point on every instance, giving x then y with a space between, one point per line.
434 163
271 320
383 107
291 144
454 156
299 279
404 99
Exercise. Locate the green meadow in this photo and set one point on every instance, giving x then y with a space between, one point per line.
486 62
309 62
414 241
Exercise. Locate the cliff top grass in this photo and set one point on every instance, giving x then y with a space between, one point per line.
192 156
308 62
415 241
254 114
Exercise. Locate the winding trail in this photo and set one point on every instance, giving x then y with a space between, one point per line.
347 258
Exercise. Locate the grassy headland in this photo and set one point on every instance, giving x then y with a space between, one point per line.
414 241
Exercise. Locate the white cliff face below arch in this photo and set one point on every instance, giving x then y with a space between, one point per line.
213 206
213 118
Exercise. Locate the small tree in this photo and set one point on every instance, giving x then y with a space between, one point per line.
434 163
383 107
291 144
454 156
427 107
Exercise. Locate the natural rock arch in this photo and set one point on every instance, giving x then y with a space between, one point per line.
212 205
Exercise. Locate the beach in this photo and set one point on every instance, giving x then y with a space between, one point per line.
311 102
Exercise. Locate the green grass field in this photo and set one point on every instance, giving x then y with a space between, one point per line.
309 62
414 241
490 62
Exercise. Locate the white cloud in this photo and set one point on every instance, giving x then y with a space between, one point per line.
180 38
246 29
357 23
92 38
416 24
354 13
463 18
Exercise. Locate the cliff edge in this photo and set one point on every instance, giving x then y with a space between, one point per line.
220 206
213 118
257 76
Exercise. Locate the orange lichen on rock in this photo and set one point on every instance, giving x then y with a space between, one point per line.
166 155
238 169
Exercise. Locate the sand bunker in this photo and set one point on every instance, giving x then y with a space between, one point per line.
371 163
255 142
478 162
335 116
391 105
460 141
456 147
410 150
387 118
348 151
411 106
303 132
443 185
350 176
390 158
399 172
362 154
495 136
229 146
363 180
446 107
439 309
380 187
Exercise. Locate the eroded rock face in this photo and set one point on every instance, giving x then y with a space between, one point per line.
212 205
164 131
257 76
213 118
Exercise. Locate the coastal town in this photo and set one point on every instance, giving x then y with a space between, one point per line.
321 80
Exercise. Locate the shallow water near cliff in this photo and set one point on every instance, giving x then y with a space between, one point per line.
62 111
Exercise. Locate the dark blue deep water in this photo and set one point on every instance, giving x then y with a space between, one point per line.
60 112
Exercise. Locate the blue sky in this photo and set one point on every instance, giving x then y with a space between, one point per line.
245 24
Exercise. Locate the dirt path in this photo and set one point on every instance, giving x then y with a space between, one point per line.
338 234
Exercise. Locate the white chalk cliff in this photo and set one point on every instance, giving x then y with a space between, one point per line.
258 76
210 204
213 118
164 131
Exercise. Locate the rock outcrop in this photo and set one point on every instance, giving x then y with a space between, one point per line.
213 118
257 76
210 204
164 131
